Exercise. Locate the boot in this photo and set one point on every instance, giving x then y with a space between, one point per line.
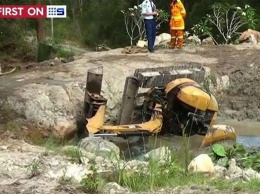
179 43
172 43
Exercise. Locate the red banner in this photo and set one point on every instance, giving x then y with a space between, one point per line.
32 11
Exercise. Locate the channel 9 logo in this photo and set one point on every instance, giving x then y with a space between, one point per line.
33 11
56 11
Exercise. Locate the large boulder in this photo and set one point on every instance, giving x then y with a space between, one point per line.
49 105
162 155
161 39
251 36
193 40
100 147
202 163
208 41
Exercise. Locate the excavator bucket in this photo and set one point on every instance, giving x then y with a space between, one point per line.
218 133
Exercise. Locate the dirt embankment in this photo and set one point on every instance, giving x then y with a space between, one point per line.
241 101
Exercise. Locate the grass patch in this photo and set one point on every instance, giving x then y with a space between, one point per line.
93 182
173 174
157 176
74 154
61 53
235 186
159 179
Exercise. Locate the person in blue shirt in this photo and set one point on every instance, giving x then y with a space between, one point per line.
149 12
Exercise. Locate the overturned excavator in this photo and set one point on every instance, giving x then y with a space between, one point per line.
174 103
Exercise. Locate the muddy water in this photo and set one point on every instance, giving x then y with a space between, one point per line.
248 133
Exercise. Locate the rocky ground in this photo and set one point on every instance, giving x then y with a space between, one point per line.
51 94
28 169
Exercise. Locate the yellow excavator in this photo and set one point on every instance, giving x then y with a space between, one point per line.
173 104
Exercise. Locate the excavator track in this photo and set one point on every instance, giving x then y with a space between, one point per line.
160 76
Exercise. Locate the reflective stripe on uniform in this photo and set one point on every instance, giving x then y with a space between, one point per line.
177 28
177 17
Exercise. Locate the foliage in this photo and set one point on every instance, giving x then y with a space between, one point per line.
227 20
219 150
58 49
202 29
101 22
13 38
249 17
34 168
91 183
171 174
156 175
74 154
245 159
134 22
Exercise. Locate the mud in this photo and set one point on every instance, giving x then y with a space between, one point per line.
242 99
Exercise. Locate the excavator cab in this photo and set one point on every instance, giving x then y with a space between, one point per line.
174 104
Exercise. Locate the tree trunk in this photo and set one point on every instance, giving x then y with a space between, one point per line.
40 30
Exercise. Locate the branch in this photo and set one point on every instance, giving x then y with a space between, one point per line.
6 73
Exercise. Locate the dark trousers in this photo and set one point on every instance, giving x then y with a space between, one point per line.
150 28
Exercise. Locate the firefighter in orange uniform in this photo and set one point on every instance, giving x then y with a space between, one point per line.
177 25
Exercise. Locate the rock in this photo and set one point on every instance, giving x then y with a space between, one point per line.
64 129
157 40
220 171
165 37
162 155
250 174
194 40
134 166
202 163
100 147
251 36
47 106
216 83
114 188
141 43
76 172
234 172
83 155
67 60
222 83
208 41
